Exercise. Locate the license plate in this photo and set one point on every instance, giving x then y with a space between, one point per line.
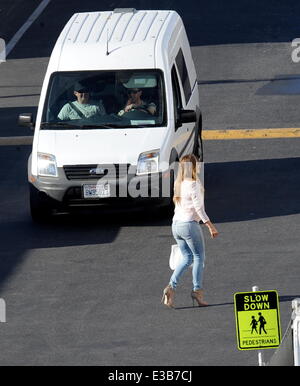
96 191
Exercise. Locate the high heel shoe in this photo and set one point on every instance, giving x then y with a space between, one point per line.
168 296
198 296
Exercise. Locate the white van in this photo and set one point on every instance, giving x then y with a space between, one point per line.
118 107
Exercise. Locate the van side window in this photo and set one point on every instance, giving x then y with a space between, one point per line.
176 94
183 73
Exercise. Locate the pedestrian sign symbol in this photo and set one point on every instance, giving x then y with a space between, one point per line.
257 320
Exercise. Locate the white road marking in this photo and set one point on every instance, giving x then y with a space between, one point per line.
14 40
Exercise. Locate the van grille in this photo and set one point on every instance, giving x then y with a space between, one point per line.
89 172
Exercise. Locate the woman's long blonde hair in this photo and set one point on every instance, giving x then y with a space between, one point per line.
188 169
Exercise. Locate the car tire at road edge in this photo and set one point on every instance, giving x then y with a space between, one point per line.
40 208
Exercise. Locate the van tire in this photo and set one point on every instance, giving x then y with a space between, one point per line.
40 210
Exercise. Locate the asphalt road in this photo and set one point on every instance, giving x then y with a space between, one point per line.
86 290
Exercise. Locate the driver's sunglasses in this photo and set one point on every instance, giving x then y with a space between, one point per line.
134 91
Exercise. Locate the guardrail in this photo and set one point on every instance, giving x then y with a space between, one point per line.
296 330
288 353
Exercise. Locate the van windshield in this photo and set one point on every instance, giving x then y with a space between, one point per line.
104 100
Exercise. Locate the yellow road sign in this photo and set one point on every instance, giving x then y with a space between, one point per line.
257 320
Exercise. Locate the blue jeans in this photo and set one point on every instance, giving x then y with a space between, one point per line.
189 238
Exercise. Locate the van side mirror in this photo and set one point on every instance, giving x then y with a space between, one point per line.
26 119
187 116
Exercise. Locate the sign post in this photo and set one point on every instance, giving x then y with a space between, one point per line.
260 353
257 320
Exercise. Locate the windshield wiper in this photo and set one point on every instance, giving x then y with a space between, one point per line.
76 127
100 126
91 126
113 126
53 124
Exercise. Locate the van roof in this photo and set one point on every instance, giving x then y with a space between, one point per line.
91 39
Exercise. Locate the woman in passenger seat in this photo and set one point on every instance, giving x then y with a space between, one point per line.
135 102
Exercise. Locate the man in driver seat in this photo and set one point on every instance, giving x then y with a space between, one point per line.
135 102
83 107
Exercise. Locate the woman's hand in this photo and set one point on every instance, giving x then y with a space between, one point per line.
212 229
129 107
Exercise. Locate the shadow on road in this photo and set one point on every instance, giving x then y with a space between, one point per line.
278 85
235 191
248 190
207 22
9 121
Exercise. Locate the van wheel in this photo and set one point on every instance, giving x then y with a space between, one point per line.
39 209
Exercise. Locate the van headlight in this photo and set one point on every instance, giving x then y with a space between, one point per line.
47 165
148 162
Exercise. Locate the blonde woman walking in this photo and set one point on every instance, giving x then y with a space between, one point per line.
189 210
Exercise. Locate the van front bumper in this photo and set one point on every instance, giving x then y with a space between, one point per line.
58 192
